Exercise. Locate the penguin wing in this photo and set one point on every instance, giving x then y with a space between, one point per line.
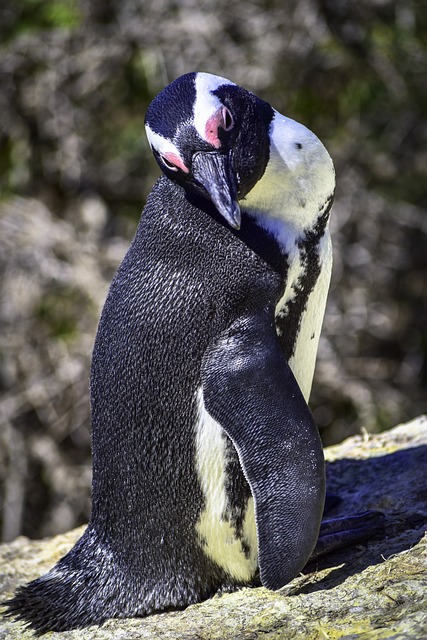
250 390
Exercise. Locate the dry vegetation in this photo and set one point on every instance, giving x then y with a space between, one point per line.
75 80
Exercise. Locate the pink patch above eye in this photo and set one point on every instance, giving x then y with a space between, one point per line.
211 129
176 160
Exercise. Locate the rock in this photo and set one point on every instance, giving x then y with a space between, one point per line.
374 591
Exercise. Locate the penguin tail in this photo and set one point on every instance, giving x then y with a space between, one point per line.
82 589
43 606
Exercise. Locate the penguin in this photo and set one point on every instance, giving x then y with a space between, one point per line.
208 470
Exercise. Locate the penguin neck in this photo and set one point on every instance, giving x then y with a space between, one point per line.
290 206
256 238
291 201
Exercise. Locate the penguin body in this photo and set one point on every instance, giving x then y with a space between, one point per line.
207 466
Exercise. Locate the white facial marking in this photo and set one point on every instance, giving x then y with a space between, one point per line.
207 104
164 146
218 537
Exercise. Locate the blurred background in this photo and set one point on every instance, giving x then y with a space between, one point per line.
76 77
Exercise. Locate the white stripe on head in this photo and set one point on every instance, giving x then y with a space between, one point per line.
166 149
206 104
159 143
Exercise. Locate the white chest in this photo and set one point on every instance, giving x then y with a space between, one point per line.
300 311
290 202
236 555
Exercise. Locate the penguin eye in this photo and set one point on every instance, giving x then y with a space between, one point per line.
169 165
227 119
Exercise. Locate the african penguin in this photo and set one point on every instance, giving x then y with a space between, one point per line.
208 469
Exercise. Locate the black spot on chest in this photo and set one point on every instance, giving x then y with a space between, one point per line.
238 493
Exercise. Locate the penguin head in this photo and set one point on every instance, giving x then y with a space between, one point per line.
211 137
221 141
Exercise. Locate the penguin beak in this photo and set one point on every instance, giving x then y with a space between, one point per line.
214 171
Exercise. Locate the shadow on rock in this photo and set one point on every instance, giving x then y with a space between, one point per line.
395 484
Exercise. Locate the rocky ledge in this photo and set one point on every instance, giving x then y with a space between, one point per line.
375 591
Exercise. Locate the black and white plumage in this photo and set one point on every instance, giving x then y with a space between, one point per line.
206 462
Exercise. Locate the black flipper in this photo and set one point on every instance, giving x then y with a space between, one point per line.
250 390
